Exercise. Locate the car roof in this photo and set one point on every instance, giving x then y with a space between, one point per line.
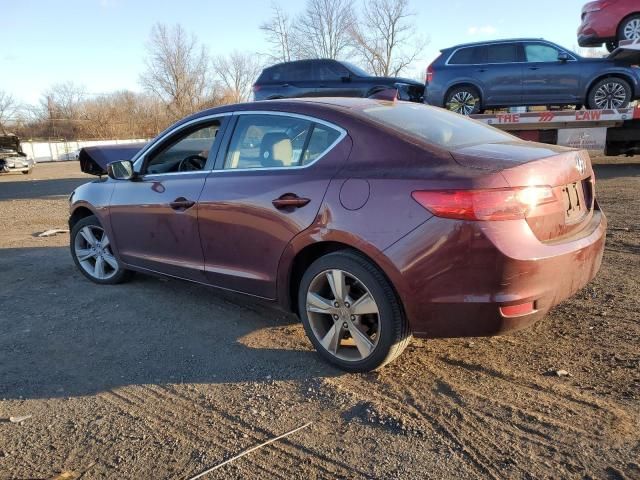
293 62
491 42
327 103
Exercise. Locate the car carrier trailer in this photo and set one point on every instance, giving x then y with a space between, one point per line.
617 132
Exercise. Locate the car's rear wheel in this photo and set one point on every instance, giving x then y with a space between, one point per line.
464 100
629 29
92 254
351 313
609 93
26 172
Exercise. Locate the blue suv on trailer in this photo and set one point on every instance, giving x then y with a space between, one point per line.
525 72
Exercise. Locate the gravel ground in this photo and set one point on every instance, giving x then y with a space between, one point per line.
161 379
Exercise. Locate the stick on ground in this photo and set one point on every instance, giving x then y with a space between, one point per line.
242 454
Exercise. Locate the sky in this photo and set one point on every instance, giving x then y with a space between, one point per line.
100 44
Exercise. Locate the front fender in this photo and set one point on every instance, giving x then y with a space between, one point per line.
95 197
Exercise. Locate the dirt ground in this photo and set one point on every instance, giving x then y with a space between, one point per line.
161 378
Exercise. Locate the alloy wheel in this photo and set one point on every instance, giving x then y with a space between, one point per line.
631 30
462 102
611 95
93 251
343 315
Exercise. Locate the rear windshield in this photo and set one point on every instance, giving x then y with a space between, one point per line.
435 125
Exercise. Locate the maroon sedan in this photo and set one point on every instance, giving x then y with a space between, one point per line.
372 220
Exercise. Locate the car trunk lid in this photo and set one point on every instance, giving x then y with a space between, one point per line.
523 164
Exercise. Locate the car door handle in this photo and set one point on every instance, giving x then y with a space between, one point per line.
534 68
482 70
290 200
286 85
181 203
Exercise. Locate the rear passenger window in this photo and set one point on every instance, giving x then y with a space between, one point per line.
468 56
277 141
502 53
297 71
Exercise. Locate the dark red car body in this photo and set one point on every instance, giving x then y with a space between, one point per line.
453 277
602 19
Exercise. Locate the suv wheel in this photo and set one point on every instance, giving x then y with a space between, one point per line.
630 29
91 252
609 93
350 312
463 100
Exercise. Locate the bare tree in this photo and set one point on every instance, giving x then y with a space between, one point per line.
385 38
236 73
8 108
177 68
323 30
279 32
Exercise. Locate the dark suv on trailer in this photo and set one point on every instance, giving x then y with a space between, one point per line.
525 72
328 78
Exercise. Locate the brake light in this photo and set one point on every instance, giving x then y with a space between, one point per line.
431 71
489 204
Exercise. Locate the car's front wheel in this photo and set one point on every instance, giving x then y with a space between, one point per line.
629 28
463 100
609 93
92 254
351 313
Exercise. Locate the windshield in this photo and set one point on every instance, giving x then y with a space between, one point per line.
9 142
435 125
355 69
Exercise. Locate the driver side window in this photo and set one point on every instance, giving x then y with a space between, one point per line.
189 152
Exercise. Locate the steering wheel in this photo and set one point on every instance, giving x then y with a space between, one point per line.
192 163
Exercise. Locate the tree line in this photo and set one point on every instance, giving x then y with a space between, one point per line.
181 77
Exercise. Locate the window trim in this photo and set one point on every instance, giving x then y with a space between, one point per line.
224 149
140 158
487 44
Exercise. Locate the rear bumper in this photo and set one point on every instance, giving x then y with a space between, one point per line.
456 275
593 32
434 95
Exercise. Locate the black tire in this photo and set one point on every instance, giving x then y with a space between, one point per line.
27 172
629 23
119 275
610 84
464 100
394 333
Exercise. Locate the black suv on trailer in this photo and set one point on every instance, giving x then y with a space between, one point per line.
328 78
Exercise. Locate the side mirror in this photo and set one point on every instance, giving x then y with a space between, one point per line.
121 170
563 57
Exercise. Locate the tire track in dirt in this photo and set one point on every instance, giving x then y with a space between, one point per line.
291 451
498 421
165 409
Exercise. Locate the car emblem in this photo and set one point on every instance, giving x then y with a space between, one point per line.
581 166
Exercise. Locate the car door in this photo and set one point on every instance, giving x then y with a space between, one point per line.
547 79
502 74
267 187
334 80
155 217
298 80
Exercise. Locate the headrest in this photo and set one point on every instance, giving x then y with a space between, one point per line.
276 150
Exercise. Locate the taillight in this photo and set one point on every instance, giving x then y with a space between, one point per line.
431 71
489 204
